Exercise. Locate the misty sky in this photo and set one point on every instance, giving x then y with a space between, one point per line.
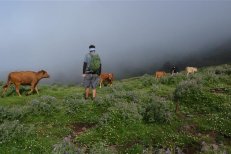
128 35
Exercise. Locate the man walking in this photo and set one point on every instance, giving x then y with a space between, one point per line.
91 72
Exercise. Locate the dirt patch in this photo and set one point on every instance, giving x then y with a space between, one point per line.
219 90
227 140
209 133
189 129
79 128
192 148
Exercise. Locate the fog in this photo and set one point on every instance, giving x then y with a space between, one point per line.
131 37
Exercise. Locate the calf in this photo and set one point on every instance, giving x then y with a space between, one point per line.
106 77
160 74
190 70
25 78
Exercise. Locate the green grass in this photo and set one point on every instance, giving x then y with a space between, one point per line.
135 115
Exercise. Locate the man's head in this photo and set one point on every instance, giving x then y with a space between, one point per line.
91 48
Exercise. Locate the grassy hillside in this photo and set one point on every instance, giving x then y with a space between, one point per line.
174 114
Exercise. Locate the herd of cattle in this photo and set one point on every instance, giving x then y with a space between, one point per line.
32 78
189 70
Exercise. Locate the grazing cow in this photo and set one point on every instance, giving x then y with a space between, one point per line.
190 70
160 74
106 77
25 78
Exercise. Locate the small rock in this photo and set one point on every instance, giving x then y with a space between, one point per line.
215 147
84 128
67 138
168 151
179 151
204 147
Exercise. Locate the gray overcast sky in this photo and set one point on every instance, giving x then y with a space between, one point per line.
129 35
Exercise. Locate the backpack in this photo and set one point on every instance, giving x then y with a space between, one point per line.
94 63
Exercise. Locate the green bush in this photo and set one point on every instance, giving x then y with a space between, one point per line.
13 131
106 101
191 94
45 105
220 70
148 80
187 87
211 80
121 112
73 104
67 147
217 74
158 110
13 113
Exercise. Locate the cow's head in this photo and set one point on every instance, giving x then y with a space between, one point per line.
43 74
110 76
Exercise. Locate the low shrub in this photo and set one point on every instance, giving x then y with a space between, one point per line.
73 104
148 80
13 131
106 101
186 87
220 70
14 113
121 112
191 94
67 147
45 105
211 79
158 110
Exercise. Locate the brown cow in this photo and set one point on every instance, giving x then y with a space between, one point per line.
25 78
106 77
160 74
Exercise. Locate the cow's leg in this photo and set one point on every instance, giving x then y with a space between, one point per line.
110 83
17 89
4 89
100 83
93 93
31 89
36 88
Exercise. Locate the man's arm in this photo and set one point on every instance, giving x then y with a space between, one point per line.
100 69
84 67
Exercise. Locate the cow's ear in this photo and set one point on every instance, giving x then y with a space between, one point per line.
43 71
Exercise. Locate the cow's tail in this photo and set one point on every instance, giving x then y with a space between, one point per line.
5 87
